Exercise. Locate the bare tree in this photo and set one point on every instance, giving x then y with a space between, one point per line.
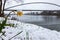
0 8
2 5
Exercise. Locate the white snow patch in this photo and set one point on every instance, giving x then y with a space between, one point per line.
35 32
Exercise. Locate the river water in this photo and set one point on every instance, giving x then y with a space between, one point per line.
51 22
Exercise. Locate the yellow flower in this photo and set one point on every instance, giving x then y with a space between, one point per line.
19 13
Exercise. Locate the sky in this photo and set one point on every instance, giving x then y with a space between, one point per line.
33 6
39 6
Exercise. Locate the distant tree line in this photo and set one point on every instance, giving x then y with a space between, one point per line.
57 13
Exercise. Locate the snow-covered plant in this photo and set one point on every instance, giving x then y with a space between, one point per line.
2 6
3 23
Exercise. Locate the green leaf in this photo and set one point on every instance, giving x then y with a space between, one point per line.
3 24
8 24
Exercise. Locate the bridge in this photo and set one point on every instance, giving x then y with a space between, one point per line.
8 9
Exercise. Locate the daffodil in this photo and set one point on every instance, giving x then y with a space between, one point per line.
19 13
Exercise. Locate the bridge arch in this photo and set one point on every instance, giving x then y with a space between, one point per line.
34 3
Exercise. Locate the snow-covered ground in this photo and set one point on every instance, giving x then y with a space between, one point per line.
29 32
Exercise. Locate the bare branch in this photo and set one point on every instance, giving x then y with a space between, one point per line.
4 4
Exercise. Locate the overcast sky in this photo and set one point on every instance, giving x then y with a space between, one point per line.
34 6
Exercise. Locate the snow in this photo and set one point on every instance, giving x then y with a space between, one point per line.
34 32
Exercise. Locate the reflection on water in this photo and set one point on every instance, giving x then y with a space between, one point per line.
51 22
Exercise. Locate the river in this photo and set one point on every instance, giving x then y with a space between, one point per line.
50 22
